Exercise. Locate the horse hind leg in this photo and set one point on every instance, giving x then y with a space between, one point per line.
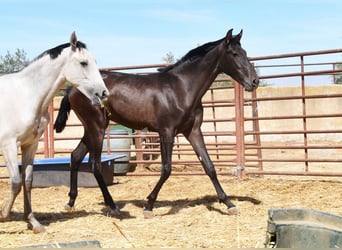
33 223
27 178
10 155
196 140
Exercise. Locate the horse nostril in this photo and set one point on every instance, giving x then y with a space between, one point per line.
256 82
104 94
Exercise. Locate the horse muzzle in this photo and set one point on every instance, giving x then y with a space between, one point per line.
100 99
253 85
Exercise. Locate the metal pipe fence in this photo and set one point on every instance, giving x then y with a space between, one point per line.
309 155
239 127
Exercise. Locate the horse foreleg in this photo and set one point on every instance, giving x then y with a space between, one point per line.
76 159
195 138
95 161
27 178
10 156
166 146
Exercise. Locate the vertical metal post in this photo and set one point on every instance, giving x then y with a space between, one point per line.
212 98
46 143
107 138
256 128
304 114
138 146
240 131
48 136
334 75
178 148
51 131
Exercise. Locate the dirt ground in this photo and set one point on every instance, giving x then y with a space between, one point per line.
187 213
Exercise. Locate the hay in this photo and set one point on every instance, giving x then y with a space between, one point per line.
187 212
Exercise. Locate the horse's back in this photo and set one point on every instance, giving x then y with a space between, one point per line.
150 100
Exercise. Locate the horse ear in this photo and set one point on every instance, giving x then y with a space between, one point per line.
229 36
238 36
73 41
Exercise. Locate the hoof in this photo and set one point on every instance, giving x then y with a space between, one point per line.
114 212
148 214
4 217
233 211
68 208
39 229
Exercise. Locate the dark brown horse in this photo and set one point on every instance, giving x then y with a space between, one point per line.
167 102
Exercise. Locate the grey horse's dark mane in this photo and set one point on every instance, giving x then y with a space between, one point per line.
56 51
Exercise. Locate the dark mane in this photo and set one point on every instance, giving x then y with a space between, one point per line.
194 54
56 51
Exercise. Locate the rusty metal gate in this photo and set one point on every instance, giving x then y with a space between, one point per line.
308 141
276 130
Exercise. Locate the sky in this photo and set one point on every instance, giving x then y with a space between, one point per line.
139 32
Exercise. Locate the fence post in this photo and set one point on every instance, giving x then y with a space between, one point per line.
51 131
46 143
256 128
138 146
304 113
240 131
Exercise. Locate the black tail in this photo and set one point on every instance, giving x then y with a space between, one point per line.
63 113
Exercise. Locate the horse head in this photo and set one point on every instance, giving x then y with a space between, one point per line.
234 62
81 71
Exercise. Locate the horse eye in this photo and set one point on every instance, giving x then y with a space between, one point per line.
84 63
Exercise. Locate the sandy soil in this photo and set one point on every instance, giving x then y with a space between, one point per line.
187 213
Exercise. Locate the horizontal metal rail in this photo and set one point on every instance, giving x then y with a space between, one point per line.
233 129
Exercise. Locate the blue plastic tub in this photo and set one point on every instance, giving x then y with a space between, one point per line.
56 171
